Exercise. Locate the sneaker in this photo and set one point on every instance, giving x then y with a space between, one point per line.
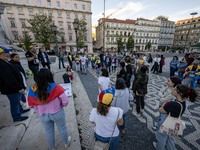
154 145
154 128
69 142
22 118
136 114
25 110
142 110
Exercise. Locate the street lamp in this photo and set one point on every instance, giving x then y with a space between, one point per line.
54 30
76 28
186 40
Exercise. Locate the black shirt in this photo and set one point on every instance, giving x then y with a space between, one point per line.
34 62
174 108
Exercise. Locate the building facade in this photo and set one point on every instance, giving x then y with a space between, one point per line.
146 31
142 30
187 33
63 12
112 31
167 30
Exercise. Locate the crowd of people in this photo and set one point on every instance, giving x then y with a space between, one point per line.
48 98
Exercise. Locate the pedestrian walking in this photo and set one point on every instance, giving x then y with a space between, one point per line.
33 61
48 99
77 63
11 84
104 80
61 54
98 65
83 59
106 118
70 59
93 61
156 64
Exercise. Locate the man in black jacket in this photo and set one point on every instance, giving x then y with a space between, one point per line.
11 84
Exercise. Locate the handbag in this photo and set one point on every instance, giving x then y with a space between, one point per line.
173 126
98 145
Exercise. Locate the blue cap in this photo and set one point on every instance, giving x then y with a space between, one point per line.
5 49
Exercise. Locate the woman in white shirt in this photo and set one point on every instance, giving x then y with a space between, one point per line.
106 119
104 80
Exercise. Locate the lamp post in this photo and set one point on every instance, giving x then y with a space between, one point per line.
186 40
104 17
76 28
54 30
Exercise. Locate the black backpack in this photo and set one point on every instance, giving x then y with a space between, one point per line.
66 78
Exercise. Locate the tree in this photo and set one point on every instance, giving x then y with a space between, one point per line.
120 44
41 28
148 46
130 43
26 41
82 33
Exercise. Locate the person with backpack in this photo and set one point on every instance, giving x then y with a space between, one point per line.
139 87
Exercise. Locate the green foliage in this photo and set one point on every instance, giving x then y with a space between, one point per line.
120 44
26 41
41 28
130 43
81 33
148 46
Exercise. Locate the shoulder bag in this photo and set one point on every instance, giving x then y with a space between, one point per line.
173 126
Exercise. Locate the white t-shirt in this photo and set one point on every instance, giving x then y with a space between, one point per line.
83 60
105 124
105 82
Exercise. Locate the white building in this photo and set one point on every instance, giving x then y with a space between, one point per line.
146 31
17 12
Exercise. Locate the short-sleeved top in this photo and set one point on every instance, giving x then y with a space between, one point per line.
105 124
83 60
174 108
104 81
34 62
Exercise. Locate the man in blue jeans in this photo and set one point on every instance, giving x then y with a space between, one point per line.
11 84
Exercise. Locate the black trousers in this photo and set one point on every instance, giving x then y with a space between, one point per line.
139 103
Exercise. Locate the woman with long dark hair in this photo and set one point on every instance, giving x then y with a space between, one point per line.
174 107
48 99
106 118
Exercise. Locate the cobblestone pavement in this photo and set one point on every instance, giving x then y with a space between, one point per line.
139 130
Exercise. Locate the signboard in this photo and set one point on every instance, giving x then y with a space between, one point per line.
68 89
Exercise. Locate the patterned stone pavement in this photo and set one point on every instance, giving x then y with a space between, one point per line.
191 137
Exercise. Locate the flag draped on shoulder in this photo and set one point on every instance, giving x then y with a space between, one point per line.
54 90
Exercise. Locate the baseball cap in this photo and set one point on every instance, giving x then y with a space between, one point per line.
4 49
106 96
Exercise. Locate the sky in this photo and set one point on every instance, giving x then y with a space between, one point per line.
132 9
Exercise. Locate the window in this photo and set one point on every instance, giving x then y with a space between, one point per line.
39 2
28 1
68 15
50 13
70 36
40 11
15 34
30 11
12 22
48 3
20 10
67 5
76 15
9 10
85 37
69 25
59 14
83 16
60 23
75 6
83 7
23 23
58 3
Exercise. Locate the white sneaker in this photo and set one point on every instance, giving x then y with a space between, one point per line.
136 114
142 110
154 145
69 141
